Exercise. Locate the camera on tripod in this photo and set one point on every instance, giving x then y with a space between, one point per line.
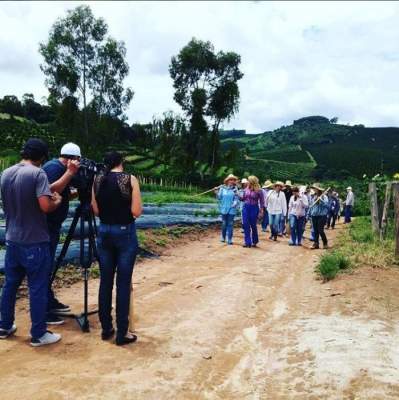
85 177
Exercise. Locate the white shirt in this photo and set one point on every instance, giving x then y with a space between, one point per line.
350 199
276 203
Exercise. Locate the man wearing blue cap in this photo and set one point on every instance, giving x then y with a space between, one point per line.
60 172
27 197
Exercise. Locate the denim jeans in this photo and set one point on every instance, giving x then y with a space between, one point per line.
54 232
275 221
348 214
227 226
250 214
281 229
265 219
32 260
331 219
117 248
296 225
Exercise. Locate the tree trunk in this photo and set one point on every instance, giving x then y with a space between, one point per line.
214 143
86 122
375 220
385 211
396 202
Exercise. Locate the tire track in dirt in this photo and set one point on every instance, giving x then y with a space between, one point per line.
220 322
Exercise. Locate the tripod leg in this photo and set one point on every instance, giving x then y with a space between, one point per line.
84 322
67 242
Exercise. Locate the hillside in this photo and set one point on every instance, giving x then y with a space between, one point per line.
315 147
310 148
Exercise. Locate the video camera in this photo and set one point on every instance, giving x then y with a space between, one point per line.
85 177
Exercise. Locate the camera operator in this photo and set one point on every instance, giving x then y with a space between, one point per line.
116 199
26 196
60 172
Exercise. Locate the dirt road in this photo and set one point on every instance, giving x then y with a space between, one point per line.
224 322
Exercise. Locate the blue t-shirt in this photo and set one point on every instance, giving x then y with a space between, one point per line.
54 170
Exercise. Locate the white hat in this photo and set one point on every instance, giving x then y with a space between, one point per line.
70 149
349 188
244 180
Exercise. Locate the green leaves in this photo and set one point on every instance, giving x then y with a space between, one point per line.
82 62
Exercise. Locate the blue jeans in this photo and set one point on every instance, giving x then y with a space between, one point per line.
227 227
34 261
348 214
54 232
117 248
281 230
275 221
265 219
296 225
250 214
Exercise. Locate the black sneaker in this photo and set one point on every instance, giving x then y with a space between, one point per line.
54 320
5 333
58 308
131 338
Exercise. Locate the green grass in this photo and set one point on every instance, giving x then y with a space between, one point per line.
175 197
331 264
357 246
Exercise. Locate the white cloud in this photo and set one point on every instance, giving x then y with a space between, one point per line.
299 58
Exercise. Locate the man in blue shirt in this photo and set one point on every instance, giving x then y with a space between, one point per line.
60 172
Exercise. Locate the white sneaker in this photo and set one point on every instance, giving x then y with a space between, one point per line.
5 333
47 338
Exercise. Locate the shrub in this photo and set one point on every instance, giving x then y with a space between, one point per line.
331 263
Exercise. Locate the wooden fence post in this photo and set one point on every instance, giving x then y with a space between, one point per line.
385 211
396 203
375 219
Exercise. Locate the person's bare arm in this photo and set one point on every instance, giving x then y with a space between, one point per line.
137 207
49 204
94 204
60 184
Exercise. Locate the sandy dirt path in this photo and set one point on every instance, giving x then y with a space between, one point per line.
224 322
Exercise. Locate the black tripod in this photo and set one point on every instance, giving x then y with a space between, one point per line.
84 214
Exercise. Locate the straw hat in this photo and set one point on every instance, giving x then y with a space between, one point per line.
230 177
317 186
288 183
267 184
279 183
244 180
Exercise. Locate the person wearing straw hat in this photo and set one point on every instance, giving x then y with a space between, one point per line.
349 203
276 207
227 195
296 213
318 211
266 190
253 207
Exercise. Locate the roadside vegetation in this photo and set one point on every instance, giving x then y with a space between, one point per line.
357 246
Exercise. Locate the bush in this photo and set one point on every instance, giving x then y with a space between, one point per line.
332 263
361 232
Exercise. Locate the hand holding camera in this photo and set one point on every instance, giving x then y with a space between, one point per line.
73 166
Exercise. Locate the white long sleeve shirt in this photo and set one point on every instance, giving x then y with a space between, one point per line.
298 206
276 203
350 199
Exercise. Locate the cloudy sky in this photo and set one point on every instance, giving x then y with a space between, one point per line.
299 58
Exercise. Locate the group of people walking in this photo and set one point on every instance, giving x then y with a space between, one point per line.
282 207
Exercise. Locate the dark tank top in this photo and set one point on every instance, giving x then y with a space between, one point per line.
114 198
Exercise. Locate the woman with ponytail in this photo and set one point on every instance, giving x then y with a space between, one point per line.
116 200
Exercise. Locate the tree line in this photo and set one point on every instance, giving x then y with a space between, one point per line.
85 71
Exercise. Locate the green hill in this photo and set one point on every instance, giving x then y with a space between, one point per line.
313 147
